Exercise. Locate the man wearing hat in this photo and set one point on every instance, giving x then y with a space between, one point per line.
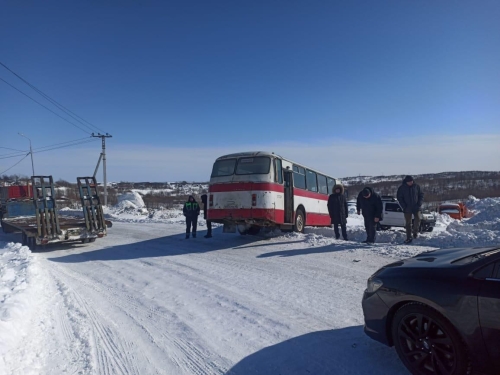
410 198
369 204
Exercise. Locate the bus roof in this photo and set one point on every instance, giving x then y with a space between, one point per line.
267 153
248 154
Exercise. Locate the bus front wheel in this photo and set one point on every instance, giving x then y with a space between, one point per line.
300 221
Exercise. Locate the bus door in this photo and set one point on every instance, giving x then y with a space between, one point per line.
288 195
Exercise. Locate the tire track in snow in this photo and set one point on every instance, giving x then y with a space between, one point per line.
109 350
190 358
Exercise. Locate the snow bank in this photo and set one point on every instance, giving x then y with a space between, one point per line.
18 275
130 203
131 199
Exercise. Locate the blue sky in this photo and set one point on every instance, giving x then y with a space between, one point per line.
348 87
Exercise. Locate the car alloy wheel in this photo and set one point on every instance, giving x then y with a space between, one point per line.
427 343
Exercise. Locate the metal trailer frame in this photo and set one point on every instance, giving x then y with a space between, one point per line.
47 227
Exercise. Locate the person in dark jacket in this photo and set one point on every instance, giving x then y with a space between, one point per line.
369 204
191 210
205 209
410 198
337 208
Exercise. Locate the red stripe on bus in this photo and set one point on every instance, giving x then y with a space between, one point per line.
318 219
246 186
275 216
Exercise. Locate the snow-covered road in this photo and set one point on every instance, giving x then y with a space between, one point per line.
144 300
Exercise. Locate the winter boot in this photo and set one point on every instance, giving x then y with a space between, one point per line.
187 236
408 240
194 235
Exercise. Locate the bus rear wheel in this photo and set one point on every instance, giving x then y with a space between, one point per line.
300 221
253 230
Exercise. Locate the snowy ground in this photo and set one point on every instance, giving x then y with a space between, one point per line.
144 300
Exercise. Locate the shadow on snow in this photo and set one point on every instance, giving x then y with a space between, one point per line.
333 352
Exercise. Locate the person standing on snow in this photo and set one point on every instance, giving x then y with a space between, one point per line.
410 198
191 210
370 204
205 209
337 208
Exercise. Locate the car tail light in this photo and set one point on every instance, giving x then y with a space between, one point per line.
254 200
211 200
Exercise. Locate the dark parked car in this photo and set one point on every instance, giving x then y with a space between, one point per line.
440 309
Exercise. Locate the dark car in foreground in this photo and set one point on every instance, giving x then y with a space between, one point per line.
440 309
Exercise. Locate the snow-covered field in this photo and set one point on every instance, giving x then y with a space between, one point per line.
144 300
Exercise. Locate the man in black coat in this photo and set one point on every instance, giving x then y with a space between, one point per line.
410 198
337 208
191 210
205 209
370 204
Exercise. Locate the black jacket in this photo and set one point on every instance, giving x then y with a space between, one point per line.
337 206
191 209
205 207
371 207
410 197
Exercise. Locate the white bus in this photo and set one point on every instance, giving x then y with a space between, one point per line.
251 190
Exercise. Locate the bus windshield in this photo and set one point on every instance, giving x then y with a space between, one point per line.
254 165
223 167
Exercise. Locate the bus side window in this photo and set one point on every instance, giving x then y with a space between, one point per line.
331 184
278 173
299 178
323 188
312 184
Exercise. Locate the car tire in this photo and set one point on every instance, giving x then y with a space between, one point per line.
300 221
430 229
427 343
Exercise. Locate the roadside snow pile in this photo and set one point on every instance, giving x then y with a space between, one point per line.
483 229
131 203
17 295
132 199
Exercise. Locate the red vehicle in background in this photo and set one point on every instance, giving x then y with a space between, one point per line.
455 210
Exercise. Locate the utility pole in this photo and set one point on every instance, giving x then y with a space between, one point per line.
103 157
31 152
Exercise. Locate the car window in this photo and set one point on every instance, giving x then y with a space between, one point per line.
496 273
475 257
392 207
484 272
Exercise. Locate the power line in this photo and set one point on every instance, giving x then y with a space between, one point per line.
54 146
8 156
13 149
74 144
8 169
62 143
48 109
54 102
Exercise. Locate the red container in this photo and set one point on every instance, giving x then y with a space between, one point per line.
16 192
